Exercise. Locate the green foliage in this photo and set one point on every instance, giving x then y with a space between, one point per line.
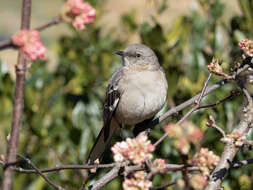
63 107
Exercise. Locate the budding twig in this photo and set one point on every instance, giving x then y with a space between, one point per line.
40 173
212 123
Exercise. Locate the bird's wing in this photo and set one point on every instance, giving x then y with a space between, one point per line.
111 102
110 124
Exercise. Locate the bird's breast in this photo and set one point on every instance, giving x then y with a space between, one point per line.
143 95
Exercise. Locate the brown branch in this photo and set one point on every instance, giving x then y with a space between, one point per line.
113 173
18 103
40 173
210 89
59 168
8 43
212 123
232 94
163 186
231 149
55 21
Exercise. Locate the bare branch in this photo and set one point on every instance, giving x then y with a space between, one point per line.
59 168
129 169
163 186
6 44
232 94
231 149
112 174
18 103
40 173
212 123
55 21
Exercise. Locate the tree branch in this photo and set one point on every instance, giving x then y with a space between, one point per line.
41 174
18 103
59 168
113 173
231 149
174 110
8 43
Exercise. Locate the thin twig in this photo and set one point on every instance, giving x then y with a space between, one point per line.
59 168
222 132
211 123
41 174
55 21
18 103
163 186
232 94
210 89
197 102
8 43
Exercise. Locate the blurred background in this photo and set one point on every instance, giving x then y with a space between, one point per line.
64 95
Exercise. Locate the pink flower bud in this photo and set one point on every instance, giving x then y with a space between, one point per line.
79 13
29 42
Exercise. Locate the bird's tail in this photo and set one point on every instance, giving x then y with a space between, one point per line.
101 143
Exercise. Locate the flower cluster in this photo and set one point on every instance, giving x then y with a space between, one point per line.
137 182
183 135
79 13
29 42
159 164
206 161
247 47
136 150
215 67
236 137
198 181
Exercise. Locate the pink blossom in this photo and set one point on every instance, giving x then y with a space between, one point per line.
136 150
79 13
183 146
215 67
137 181
29 42
183 135
198 181
247 47
196 135
206 160
237 137
159 164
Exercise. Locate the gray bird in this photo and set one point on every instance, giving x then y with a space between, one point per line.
135 94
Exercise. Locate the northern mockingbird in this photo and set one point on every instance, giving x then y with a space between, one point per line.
135 94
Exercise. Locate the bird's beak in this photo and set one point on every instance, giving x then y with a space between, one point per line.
121 53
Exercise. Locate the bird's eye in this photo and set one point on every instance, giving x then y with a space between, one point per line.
138 55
